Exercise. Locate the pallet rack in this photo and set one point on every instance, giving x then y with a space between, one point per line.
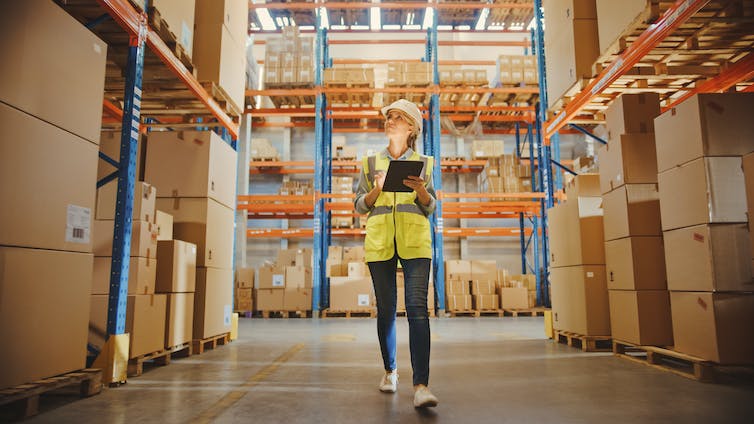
127 32
318 206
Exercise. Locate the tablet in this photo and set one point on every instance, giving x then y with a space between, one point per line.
399 170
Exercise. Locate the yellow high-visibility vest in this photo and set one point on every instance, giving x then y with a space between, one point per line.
396 221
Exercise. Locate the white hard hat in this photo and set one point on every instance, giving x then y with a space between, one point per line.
409 108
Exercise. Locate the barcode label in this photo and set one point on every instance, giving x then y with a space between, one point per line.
78 224
363 300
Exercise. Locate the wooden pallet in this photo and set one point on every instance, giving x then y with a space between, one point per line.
491 313
23 399
586 343
161 358
282 314
265 158
355 313
533 312
199 345
465 313
160 26
222 98
245 314
667 360
350 99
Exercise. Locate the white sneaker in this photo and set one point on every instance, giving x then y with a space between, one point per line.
389 383
423 398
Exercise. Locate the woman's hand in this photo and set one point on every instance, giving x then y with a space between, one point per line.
379 179
417 184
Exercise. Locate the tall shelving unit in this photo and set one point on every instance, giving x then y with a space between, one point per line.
132 25
531 208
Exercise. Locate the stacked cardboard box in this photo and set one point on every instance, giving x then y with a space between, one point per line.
634 249
571 44
472 285
144 305
577 256
244 298
342 185
261 149
518 291
220 31
202 204
48 164
285 285
176 278
409 74
484 285
289 59
704 221
179 15
350 282
486 149
349 75
505 174
613 18
517 69
457 285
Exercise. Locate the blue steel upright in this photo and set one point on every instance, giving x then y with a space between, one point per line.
129 140
318 271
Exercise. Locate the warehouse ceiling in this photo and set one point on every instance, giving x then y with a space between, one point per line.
366 15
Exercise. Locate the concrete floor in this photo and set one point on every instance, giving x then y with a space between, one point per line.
484 370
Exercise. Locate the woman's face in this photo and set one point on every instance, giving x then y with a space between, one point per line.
397 125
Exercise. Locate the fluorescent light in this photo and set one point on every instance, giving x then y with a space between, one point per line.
306 28
495 28
325 20
480 24
359 27
429 14
391 27
266 20
338 27
375 18
463 27
445 27
279 21
410 27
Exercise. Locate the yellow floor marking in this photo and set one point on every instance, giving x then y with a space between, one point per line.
339 338
228 400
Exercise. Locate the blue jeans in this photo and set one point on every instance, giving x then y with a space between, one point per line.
416 273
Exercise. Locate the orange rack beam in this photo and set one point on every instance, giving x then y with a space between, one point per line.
388 5
355 232
351 167
676 15
125 14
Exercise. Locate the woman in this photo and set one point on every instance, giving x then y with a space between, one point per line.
398 228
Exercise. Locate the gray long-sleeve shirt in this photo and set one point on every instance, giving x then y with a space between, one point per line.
360 203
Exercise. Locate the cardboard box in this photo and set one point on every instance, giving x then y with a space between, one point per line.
632 210
268 300
353 254
271 277
635 263
704 191
335 253
44 307
143 239
179 16
614 17
98 304
286 257
486 302
213 166
297 299
709 258
57 79
484 287
714 326
145 323
179 319
527 281
213 304
579 300
304 257
515 298
457 287
207 224
628 159
109 145
583 185
747 164
144 201
59 214
298 277
349 293
218 57
243 300
483 270
632 113
705 125
459 302
358 269
176 266
164 225
336 269
458 270
142 274
576 240
641 317
245 277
